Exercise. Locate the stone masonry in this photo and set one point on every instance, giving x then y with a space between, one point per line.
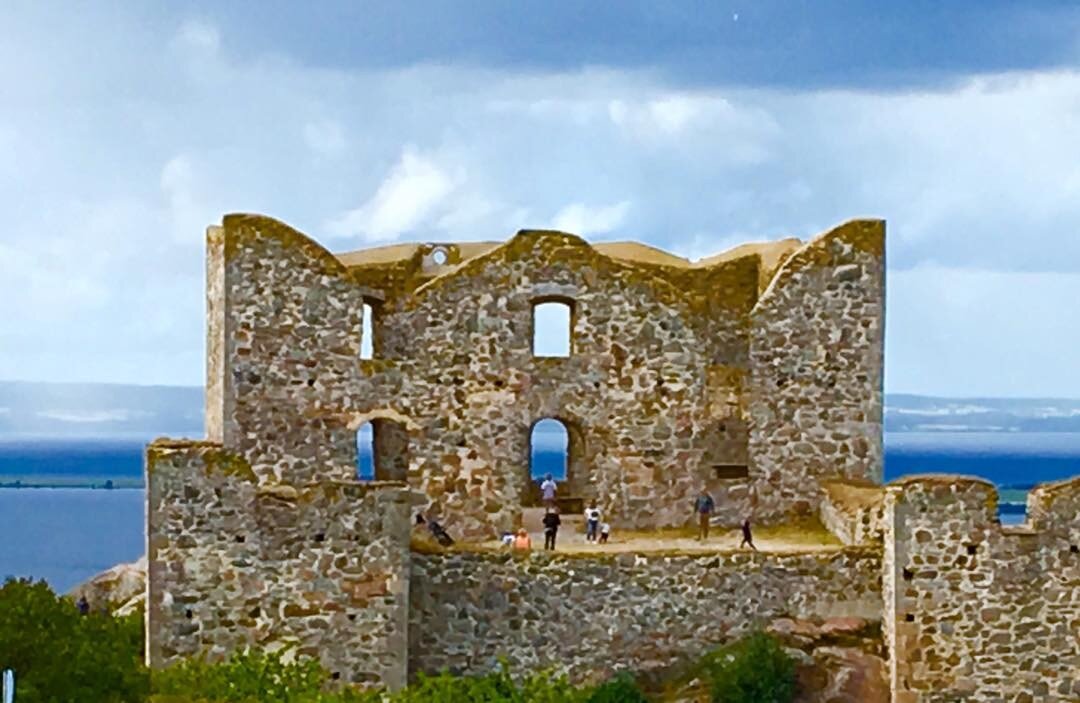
975 611
757 373
594 616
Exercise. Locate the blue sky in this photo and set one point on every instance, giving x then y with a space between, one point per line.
126 128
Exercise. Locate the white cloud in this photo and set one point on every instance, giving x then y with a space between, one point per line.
414 188
578 218
92 417
102 250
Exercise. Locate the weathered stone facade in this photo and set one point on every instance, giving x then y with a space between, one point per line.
757 372
323 566
975 611
592 616
679 373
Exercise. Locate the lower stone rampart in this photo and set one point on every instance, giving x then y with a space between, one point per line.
234 563
591 616
975 611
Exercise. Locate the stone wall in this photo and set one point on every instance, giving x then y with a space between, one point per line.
816 345
590 616
656 393
975 611
853 511
234 562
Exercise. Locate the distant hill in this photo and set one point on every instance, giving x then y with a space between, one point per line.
99 410
916 413
115 410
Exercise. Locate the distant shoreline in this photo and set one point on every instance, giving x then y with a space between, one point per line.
102 483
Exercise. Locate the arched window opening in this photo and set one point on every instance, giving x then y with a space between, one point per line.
557 447
367 334
552 321
382 451
549 448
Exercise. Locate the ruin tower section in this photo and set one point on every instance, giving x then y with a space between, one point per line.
816 360
976 611
235 562
678 374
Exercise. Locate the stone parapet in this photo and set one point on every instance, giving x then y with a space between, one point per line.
975 611
589 616
233 562
852 510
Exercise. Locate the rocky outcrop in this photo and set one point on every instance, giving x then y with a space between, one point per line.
840 660
120 589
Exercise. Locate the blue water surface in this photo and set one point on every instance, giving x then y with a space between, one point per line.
68 535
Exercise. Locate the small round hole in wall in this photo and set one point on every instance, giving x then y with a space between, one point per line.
188 614
972 549
1075 549
908 574
336 675
320 537
440 257
910 617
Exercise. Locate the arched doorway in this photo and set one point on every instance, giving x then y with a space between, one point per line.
556 447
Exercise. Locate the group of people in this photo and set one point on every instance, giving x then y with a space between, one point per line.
596 530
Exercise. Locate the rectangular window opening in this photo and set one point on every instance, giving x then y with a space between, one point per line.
367 334
731 471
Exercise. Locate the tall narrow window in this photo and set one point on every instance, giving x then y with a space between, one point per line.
551 329
367 337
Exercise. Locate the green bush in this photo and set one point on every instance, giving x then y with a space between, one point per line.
254 676
756 669
59 655
620 689
495 687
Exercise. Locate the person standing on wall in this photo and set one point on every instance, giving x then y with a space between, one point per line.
592 521
547 490
551 527
704 506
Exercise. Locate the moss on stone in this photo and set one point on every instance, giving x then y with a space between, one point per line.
226 463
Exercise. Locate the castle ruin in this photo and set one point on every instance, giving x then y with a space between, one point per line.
757 372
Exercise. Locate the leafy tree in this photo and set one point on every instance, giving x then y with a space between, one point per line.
59 655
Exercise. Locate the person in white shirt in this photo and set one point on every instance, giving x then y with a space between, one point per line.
547 490
592 522
605 531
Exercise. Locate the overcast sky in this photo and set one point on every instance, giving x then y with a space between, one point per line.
126 128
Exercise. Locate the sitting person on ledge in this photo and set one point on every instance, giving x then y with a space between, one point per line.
437 531
522 542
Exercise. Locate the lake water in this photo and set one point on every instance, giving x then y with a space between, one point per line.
66 535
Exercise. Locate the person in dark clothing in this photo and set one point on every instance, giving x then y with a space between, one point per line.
747 538
704 506
83 605
551 527
437 531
